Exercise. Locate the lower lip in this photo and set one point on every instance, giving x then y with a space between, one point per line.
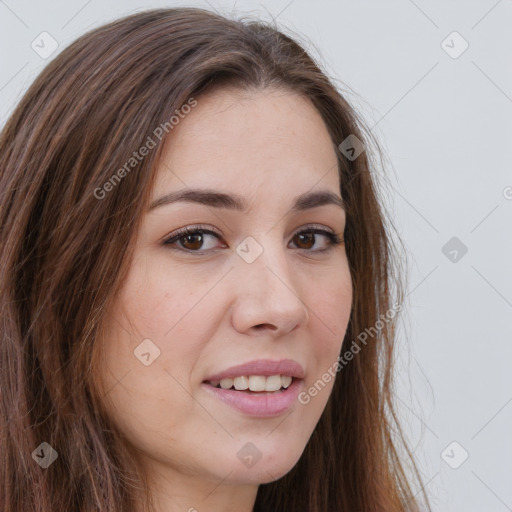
258 404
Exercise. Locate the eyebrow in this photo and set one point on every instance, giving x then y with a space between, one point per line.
217 199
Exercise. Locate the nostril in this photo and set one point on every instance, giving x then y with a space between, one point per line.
265 326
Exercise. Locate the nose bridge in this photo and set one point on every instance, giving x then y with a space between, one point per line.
267 289
267 261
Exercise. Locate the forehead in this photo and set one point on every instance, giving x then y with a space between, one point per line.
268 140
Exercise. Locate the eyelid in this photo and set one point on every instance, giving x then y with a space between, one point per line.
179 233
206 228
191 229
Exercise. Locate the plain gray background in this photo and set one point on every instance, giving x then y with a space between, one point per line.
444 120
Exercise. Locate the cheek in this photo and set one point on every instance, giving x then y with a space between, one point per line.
156 314
329 305
329 301
150 404
158 297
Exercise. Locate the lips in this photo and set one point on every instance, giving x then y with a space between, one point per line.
263 367
259 403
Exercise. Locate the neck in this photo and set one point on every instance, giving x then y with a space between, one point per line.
174 491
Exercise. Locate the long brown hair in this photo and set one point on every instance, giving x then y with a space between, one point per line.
66 248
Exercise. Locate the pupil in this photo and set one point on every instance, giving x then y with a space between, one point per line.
198 243
309 239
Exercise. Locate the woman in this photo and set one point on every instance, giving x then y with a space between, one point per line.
196 281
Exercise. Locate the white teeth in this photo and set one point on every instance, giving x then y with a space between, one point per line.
226 383
273 383
241 383
286 380
255 383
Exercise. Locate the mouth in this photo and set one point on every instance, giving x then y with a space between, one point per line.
250 384
260 388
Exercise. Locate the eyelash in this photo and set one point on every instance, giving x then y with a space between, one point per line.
334 240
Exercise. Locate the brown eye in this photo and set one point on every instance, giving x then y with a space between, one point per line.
192 242
306 240
193 239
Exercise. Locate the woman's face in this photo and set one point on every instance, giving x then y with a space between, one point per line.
247 290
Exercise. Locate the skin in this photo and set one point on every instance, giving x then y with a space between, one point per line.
209 312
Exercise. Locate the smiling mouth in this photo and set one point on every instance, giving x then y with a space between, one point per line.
257 396
257 384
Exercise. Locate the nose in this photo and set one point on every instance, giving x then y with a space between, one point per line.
268 299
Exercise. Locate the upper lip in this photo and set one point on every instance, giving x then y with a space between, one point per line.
264 367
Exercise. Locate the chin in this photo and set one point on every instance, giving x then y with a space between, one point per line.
269 468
